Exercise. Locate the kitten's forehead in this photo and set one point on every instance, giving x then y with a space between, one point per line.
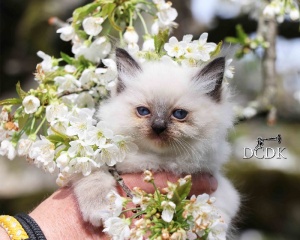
163 81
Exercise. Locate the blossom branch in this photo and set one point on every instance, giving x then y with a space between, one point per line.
265 102
66 93
119 179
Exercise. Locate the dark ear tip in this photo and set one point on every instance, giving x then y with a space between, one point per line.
120 52
220 61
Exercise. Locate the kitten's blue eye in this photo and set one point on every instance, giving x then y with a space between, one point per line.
180 114
143 111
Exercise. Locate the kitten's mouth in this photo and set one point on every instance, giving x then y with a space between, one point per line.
160 140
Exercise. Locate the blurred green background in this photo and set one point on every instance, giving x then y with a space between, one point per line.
270 188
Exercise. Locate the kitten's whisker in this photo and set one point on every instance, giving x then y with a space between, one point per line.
184 149
174 147
197 154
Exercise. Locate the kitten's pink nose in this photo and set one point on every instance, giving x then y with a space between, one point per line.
158 126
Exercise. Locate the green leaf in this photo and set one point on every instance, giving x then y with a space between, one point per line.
22 94
242 36
60 137
82 12
232 40
181 192
111 18
107 9
11 101
23 120
160 39
55 139
66 58
217 50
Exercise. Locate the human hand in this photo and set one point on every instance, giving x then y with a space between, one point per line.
59 216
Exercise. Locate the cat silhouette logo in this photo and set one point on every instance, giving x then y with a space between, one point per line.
262 152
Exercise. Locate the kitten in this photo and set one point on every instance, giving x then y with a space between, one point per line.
178 117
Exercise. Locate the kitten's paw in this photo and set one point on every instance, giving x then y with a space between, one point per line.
92 217
95 197
96 216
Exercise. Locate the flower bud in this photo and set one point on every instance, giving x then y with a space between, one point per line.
148 176
131 36
31 104
165 234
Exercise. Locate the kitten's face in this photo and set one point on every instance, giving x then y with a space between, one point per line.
164 107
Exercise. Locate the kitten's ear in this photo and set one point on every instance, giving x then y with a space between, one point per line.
126 66
214 73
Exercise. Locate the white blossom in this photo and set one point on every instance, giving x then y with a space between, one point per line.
187 38
83 113
168 210
115 205
108 154
70 68
180 234
80 148
125 144
191 235
24 146
66 33
175 48
42 152
133 48
168 59
165 17
88 77
85 100
47 63
217 231
189 62
56 111
98 135
117 228
61 125
78 127
272 9
8 149
148 45
3 133
92 25
155 27
191 51
67 83
107 76
83 165
204 48
63 161
131 36
4 116
166 14
137 233
62 180
31 104
200 204
98 50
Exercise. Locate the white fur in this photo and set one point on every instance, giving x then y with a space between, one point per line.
200 144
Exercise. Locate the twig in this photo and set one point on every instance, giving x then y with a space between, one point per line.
265 102
113 171
66 93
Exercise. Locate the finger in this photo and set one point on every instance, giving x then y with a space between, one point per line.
202 183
